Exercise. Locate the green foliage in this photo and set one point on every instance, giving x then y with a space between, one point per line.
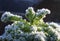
35 29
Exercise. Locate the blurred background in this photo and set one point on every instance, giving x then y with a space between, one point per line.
19 7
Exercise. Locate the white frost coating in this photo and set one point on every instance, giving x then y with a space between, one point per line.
58 34
31 9
43 11
40 36
5 17
57 26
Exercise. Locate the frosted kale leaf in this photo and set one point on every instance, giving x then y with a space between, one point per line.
42 12
40 36
35 29
30 14
7 16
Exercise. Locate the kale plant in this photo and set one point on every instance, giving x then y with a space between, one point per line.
35 29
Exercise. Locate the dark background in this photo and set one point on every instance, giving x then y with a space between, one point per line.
20 7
